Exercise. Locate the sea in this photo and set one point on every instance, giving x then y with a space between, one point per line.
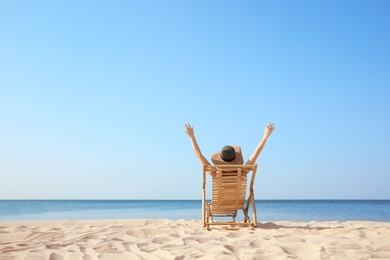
267 210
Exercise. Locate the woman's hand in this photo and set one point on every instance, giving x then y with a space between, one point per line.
189 130
269 129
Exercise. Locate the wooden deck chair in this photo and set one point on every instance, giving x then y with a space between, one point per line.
229 186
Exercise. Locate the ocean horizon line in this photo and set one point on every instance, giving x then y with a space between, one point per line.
190 199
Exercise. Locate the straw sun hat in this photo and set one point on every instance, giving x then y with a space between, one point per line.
228 155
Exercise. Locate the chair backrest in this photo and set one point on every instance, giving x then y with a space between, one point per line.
229 185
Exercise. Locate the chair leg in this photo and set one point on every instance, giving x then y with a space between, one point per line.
208 216
252 226
204 216
254 211
246 217
234 216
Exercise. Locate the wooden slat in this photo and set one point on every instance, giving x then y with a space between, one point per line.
229 188
229 191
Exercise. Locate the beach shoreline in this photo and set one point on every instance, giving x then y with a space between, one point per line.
187 239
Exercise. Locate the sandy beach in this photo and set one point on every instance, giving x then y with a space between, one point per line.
183 239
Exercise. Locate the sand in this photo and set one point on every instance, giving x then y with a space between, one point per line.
183 239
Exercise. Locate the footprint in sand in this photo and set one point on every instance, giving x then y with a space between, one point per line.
203 240
384 248
381 255
256 243
234 249
55 256
235 234
161 240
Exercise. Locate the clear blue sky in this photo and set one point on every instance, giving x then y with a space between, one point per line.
94 96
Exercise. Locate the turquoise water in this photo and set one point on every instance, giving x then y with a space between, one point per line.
267 210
